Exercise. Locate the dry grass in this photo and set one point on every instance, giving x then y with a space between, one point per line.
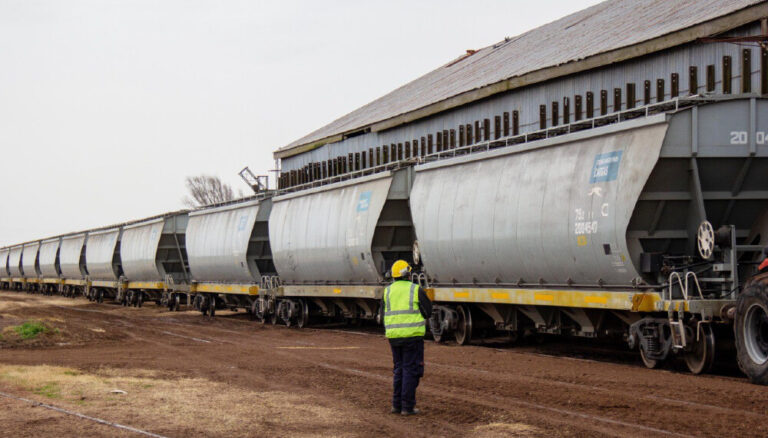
194 406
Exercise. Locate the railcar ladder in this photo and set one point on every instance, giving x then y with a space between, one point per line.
677 325
168 283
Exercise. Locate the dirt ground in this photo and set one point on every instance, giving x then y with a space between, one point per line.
147 372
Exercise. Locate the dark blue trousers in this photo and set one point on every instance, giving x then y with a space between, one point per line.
408 358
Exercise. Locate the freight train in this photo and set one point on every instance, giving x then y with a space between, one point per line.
646 225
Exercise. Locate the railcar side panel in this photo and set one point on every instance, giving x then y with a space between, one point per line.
100 254
4 252
217 243
49 260
138 251
555 213
29 259
325 235
70 255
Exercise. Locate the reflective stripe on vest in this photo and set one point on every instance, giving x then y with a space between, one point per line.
402 318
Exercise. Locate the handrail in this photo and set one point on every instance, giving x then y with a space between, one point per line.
683 285
421 279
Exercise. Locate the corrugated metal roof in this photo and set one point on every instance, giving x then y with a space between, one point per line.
608 26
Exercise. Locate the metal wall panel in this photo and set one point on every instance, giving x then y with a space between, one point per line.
217 243
326 234
99 253
14 261
555 212
69 255
138 251
527 100
48 250
29 259
4 261
599 29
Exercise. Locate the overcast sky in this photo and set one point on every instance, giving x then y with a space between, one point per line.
105 106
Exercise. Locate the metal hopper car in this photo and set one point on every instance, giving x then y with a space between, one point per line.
645 225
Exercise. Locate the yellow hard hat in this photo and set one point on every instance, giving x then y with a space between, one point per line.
400 268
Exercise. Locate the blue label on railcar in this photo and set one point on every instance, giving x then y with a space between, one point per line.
243 222
606 167
364 202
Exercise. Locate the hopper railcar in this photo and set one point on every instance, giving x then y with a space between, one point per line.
102 261
5 275
73 272
154 261
230 260
30 266
49 265
15 275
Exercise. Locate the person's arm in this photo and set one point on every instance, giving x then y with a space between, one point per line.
425 305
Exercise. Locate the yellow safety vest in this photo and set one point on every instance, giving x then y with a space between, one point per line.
402 318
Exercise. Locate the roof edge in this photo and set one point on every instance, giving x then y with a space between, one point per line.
689 34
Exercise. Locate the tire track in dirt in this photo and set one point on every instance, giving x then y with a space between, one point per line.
517 378
182 353
471 398
692 406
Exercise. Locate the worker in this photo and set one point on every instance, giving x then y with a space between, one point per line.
406 310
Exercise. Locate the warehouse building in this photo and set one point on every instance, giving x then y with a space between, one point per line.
610 62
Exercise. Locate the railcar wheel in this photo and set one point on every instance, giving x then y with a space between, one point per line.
139 299
702 355
176 303
212 307
436 326
100 296
380 315
302 319
751 331
259 310
649 363
463 333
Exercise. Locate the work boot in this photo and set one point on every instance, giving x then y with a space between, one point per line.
413 411
395 411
